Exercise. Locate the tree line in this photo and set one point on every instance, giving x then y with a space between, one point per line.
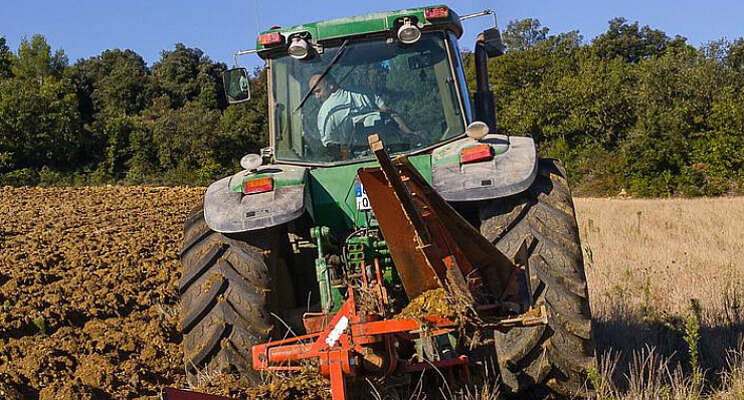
632 109
111 118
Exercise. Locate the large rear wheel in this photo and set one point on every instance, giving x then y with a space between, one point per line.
556 357
229 286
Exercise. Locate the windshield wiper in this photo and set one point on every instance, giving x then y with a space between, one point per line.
335 59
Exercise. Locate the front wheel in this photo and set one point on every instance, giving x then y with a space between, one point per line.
553 358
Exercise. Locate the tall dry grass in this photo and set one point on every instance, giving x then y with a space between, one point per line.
666 286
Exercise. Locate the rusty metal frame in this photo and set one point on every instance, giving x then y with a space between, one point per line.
428 240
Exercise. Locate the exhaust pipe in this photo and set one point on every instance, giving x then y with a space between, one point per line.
485 107
488 44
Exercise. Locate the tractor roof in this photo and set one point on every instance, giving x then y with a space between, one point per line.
366 24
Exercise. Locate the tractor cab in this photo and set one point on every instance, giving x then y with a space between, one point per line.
333 83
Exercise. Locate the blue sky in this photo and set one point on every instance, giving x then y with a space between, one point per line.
86 28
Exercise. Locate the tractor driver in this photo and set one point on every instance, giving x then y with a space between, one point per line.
342 110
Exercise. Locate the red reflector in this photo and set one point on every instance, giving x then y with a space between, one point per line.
268 39
436 13
477 153
259 185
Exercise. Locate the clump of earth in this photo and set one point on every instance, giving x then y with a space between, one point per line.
432 302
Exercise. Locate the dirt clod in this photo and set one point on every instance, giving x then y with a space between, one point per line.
9 392
433 302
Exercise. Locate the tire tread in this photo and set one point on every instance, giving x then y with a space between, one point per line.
559 359
222 321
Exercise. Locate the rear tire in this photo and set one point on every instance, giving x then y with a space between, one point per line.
553 358
228 290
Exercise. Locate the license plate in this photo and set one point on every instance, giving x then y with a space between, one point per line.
362 201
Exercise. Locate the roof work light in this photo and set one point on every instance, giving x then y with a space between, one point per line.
298 48
408 33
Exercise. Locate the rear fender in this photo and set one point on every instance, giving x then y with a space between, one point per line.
512 170
228 210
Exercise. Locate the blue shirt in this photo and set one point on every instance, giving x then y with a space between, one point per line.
342 110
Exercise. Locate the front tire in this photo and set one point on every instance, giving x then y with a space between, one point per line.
556 357
228 287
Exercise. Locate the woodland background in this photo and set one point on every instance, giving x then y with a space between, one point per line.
632 109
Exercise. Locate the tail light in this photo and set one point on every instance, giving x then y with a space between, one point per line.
481 152
436 13
270 39
258 185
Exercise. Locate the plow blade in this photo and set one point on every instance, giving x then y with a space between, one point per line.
430 243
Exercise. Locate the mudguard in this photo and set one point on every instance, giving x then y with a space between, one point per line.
228 210
512 169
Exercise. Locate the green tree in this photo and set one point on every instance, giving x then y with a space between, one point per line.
185 142
6 59
631 41
676 93
185 74
735 55
120 82
35 60
717 156
569 40
524 34
39 120
40 125
113 88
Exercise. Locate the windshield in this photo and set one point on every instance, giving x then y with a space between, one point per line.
406 94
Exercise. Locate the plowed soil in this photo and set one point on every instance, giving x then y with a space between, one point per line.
89 305
88 291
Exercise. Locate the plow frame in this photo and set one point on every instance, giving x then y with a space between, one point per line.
338 349
433 247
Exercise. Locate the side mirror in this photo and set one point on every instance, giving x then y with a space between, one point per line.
493 43
237 85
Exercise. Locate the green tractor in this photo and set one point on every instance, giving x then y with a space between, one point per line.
372 136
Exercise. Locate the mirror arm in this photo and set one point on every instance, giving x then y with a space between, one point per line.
241 53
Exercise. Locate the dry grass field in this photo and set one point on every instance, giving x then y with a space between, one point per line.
88 281
657 270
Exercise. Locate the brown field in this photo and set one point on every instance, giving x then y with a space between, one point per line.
88 292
